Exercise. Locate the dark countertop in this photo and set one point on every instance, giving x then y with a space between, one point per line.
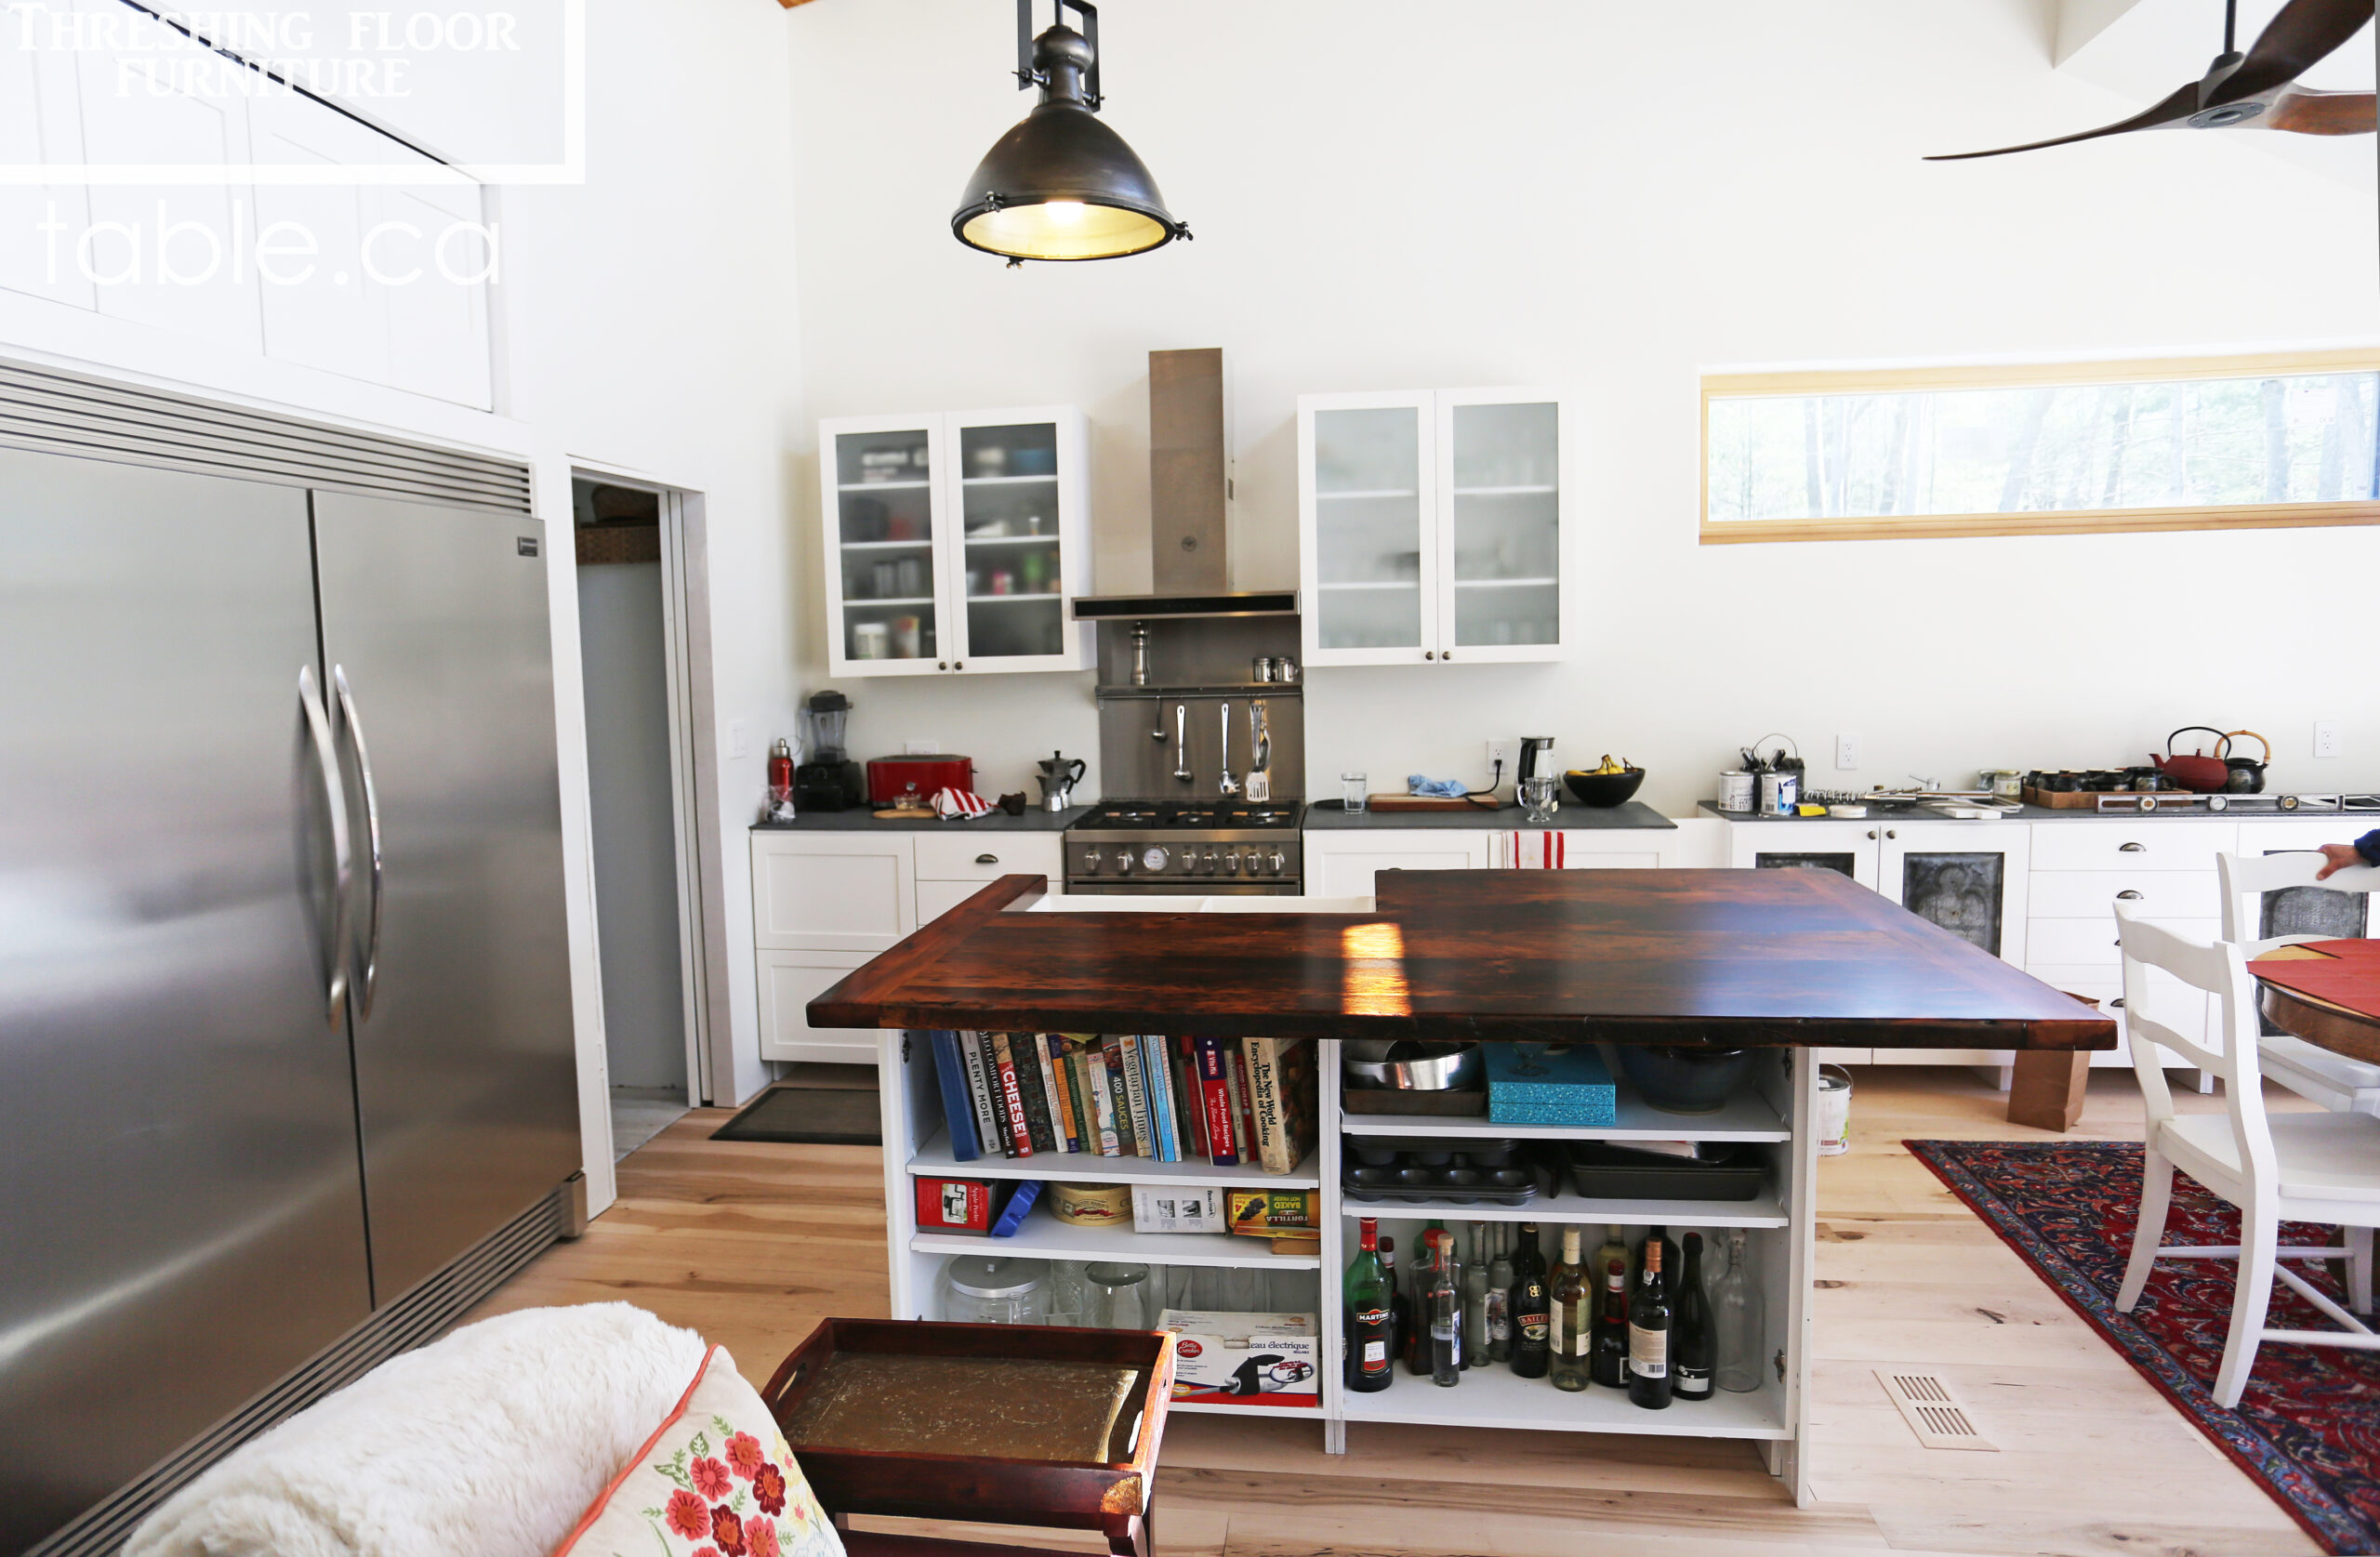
2360 821
864 820
1326 816
1719 957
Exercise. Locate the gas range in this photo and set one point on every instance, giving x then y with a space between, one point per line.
1207 847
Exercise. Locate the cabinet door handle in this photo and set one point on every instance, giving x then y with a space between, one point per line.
1445 655
942 664
1429 653
958 664
987 859
1872 832
2129 895
2132 848
2116 1004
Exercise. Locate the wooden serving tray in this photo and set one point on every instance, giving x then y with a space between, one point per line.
2088 799
1431 802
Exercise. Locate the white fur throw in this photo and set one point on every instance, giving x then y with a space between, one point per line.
490 1442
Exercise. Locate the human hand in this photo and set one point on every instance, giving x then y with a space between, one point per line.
2338 857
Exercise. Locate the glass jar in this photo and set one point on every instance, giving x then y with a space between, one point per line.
978 1289
1117 1298
1352 788
1542 797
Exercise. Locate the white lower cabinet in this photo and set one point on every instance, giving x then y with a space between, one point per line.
1343 864
824 902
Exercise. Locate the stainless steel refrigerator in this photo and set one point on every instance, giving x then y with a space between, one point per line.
285 1021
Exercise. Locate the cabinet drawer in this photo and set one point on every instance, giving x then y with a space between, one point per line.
831 891
2093 940
2146 844
954 856
789 981
2177 894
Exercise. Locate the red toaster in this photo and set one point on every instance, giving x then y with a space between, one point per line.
895 780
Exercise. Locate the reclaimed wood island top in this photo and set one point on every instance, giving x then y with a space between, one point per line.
1721 957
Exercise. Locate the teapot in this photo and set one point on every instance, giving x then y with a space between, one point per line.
1059 776
2243 777
2198 771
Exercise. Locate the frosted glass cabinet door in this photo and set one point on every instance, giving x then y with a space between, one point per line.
1367 495
884 587
1499 524
1017 490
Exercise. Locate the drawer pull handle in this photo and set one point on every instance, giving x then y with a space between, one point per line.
2129 895
2116 1004
995 859
2132 848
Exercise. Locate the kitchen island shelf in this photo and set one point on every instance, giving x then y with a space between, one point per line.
1307 1413
1077 1168
1761 1210
1746 1116
1494 1396
1043 1236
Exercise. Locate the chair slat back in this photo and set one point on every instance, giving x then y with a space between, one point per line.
2247 877
2219 968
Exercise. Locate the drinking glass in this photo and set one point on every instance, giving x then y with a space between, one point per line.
1542 797
1353 787
1116 1298
1068 1292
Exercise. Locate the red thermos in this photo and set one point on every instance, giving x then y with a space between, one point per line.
780 769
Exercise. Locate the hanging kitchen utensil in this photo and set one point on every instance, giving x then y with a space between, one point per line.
2198 771
2241 776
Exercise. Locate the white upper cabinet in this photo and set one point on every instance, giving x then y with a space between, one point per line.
1431 526
954 544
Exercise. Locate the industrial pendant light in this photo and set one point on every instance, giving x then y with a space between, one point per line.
1062 185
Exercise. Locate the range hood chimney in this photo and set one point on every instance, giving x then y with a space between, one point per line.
1189 496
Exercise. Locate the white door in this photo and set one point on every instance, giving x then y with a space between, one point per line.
832 891
888 605
1015 549
1500 495
1969 878
1369 556
1343 864
1848 848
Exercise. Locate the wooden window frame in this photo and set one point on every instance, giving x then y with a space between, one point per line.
2069 522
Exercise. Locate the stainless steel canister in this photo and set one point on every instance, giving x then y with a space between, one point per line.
1262 668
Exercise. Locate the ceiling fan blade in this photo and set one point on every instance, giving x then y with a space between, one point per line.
2172 110
2300 37
2312 112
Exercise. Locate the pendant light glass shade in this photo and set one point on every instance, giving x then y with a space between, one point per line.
1062 185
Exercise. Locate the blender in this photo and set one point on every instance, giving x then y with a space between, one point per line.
827 779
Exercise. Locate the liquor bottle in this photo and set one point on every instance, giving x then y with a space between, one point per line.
1371 1324
1445 1312
1450 1256
1413 1336
1735 1318
1499 1296
1614 1247
1649 1334
1531 1315
1608 1365
1475 1298
1400 1307
1668 1256
1693 1348
1571 1305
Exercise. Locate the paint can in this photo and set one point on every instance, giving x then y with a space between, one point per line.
1834 1111
1735 790
1779 792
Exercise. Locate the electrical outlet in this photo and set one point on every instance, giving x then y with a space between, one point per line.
2329 741
1846 753
739 738
1498 754
922 748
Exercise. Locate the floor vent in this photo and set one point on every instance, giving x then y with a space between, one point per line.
1939 1417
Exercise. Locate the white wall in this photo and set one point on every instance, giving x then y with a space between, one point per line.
1389 194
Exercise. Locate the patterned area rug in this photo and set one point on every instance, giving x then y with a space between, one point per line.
2308 1426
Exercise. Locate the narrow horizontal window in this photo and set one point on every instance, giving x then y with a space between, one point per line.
2204 444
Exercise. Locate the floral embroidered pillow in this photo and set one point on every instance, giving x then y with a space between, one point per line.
715 1480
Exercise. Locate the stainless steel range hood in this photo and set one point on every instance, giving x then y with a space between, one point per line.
1189 497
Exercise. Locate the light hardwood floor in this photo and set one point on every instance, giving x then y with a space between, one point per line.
753 1244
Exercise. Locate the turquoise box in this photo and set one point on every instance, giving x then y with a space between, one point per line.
1549 1087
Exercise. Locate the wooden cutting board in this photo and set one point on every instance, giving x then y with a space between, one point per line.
1431 802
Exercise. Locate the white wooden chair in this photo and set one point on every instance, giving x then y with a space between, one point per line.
2318 1168
2339 1084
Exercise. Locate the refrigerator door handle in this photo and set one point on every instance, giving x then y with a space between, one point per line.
318 723
367 972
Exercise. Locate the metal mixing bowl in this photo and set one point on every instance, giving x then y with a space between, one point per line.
1415 1066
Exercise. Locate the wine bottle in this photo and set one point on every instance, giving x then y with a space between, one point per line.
1736 1315
1608 1365
1668 1257
1474 1300
1372 1323
1400 1307
1693 1348
1614 1247
1446 1312
1649 1334
1569 1302
1498 1301
1532 1347
1414 1339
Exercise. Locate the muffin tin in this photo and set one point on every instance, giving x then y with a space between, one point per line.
1420 1170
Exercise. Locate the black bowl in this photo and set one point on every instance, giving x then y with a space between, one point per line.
1684 1079
1604 789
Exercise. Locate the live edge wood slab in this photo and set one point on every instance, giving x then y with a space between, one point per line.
1719 957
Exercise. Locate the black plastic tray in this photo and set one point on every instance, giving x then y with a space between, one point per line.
1604 1172
1440 1186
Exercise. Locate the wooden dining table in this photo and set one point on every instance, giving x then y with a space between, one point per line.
2345 1019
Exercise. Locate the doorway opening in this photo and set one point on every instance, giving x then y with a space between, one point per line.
645 667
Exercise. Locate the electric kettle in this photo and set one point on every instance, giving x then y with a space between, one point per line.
1059 776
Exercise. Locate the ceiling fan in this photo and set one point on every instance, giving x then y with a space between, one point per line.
2255 90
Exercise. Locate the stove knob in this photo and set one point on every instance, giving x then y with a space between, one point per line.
1090 859
1154 857
1123 862
1231 861
1280 862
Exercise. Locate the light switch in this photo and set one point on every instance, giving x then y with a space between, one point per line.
922 748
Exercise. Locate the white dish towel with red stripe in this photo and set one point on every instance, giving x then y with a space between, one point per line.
1530 851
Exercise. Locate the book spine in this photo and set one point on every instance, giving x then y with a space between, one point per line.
1264 1083
1103 1103
1032 1060
1061 1108
1136 1097
1188 1116
1161 1121
1019 1131
980 1093
1214 1104
1111 1077
958 1112
1078 1101
1243 1117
